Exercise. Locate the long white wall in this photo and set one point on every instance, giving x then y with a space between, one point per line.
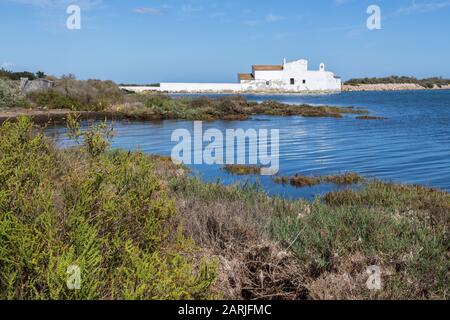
265 81
313 83
187 87
199 87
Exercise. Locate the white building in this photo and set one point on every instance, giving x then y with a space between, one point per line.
287 77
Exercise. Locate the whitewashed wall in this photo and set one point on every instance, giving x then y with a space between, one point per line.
268 75
199 87
269 80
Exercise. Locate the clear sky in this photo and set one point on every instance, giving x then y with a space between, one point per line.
146 41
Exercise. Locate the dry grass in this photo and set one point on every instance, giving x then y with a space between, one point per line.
300 181
266 247
229 223
303 181
344 179
271 248
240 170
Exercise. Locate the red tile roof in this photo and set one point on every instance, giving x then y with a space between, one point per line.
246 76
267 67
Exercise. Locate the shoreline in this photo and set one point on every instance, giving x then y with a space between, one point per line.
230 242
167 108
59 116
345 88
390 87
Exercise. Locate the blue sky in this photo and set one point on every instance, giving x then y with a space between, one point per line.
145 41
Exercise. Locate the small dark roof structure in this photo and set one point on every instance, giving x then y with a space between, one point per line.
246 76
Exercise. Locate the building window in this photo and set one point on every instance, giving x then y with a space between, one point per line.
304 81
292 81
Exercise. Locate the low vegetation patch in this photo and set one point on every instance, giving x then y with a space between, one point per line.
426 83
271 248
345 179
105 212
240 170
300 181
225 108
10 75
140 228
10 95
93 96
69 93
415 197
370 118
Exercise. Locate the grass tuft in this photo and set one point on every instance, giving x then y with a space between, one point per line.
300 181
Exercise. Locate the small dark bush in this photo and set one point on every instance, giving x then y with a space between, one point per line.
54 100
158 101
5 74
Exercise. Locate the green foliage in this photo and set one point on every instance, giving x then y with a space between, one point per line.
109 215
69 93
5 74
426 83
53 100
40 74
233 108
10 95
388 228
167 108
95 95
95 140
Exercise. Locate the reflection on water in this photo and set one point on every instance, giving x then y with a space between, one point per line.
411 146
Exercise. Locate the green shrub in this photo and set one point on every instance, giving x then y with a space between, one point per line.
69 93
5 74
107 214
394 227
96 140
10 95
54 100
91 94
426 83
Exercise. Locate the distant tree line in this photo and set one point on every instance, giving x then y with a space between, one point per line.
10 75
426 83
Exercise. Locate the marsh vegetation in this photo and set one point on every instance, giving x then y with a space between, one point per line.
100 99
139 227
425 83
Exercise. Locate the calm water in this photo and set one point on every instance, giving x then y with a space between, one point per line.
411 146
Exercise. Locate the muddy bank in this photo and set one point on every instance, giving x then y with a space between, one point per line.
158 107
59 116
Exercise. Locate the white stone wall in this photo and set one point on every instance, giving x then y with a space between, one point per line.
304 80
268 75
139 89
187 87
265 81
199 87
